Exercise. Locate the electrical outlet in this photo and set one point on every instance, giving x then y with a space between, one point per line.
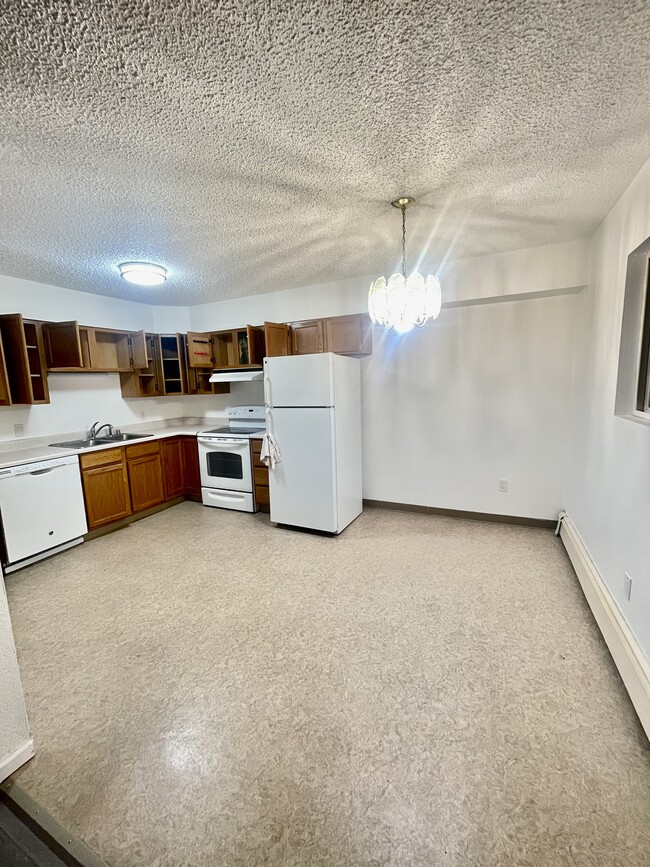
19 430
627 587
503 486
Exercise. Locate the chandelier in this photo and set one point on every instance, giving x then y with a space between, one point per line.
403 301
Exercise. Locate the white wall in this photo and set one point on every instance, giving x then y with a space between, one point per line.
608 497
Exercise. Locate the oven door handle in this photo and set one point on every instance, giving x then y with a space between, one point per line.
220 445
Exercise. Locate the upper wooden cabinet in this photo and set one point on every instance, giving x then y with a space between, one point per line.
345 335
308 337
349 335
62 345
277 339
199 350
237 347
172 363
70 347
23 379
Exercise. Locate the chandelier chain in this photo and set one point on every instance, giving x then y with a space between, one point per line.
403 209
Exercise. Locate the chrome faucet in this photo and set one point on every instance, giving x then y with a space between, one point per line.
94 430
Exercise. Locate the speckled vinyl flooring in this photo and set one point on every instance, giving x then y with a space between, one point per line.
206 689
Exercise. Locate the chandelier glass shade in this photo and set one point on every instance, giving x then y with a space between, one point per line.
403 302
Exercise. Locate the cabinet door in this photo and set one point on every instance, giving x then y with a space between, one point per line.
172 456
146 482
349 335
191 469
16 358
199 350
307 337
138 346
5 394
62 345
278 339
106 492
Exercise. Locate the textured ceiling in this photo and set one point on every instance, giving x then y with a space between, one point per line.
252 147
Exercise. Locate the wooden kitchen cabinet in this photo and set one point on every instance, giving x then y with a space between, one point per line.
147 380
349 335
5 394
260 478
223 350
172 463
191 468
308 337
114 351
106 486
277 339
25 374
345 335
63 345
172 363
199 350
145 469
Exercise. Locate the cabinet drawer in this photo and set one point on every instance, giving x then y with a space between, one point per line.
142 449
261 475
102 458
262 497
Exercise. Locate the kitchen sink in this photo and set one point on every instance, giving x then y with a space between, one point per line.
78 444
121 438
99 441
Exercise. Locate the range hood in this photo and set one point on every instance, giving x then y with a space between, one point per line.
237 375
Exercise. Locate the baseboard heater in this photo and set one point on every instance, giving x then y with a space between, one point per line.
621 641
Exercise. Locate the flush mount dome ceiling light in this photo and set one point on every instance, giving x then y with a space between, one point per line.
402 302
143 273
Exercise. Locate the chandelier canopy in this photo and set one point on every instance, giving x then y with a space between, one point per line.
402 302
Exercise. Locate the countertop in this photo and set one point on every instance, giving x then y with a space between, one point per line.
42 450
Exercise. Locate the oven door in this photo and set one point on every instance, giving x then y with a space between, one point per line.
225 463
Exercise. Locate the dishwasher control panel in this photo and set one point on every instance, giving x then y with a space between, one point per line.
39 466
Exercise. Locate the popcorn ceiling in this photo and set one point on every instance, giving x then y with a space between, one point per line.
252 147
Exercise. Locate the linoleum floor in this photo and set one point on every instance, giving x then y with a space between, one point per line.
206 689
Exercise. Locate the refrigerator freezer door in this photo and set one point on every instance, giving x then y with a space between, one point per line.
299 380
302 487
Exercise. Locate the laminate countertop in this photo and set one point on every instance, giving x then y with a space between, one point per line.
42 450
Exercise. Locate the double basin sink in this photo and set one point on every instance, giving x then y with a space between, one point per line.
100 441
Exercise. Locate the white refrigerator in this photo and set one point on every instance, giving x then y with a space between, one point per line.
314 412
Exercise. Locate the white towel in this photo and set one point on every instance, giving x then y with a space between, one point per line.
270 453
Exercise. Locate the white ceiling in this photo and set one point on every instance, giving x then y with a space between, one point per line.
251 147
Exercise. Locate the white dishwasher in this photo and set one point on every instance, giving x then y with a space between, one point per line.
42 510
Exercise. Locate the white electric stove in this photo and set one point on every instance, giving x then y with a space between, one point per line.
225 460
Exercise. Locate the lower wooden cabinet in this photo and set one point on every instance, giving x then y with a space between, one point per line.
260 478
172 462
144 463
124 480
191 469
106 487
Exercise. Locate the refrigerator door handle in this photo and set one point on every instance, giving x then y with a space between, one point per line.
267 390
